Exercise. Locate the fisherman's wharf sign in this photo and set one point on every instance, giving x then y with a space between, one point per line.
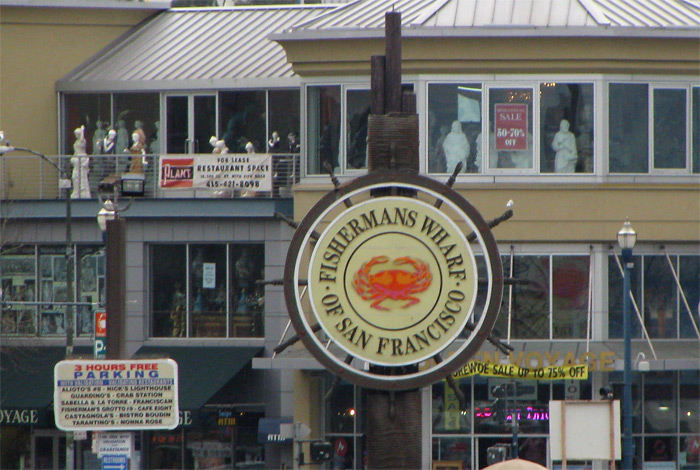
385 273
392 280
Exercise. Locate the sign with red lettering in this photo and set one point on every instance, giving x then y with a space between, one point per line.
511 126
217 172
107 395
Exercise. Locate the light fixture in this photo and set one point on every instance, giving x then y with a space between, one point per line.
107 212
641 363
133 184
627 237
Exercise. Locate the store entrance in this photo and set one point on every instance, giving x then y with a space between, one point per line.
49 450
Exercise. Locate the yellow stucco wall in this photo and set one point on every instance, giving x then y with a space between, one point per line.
38 46
573 213
675 56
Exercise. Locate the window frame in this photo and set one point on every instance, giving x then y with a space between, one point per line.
653 86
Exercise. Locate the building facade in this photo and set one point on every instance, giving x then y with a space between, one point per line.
582 113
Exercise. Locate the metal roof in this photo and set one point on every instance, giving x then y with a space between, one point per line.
489 17
195 48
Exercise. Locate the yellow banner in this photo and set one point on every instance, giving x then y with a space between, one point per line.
512 371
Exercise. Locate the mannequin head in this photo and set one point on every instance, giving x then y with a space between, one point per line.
564 125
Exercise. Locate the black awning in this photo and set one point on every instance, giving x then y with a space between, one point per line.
26 375
202 371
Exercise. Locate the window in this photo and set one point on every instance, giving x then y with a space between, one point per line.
566 128
90 263
669 128
283 118
207 290
344 423
454 109
358 107
657 295
136 113
242 120
323 128
550 301
696 129
18 277
92 110
510 128
639 111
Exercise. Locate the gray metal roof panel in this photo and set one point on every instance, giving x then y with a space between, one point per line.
192 44
597 16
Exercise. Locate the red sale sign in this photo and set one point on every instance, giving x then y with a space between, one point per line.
511 126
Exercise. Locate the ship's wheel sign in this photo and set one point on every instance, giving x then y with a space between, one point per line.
393 281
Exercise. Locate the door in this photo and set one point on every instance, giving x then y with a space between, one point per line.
49 450
191 122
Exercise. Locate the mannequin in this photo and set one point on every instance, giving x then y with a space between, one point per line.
564 143
109 142
274 143
456 147
249 147
219 145
155 141
292 143
81 166
98 138
137 149
122 137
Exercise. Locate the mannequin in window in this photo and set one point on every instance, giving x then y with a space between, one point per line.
177 312
98 137
219 145
81 166
109 142
456 147
564 143
292 143
274 143
122 137
138 150
154 147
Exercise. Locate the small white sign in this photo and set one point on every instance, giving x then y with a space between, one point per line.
114 443
208 275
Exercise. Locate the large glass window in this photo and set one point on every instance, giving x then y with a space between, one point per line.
207 290
696 129
628 128
344 420
657 295
566 128
18 277
242 120
90 263
323 128
510 128
669 128
454 110
135 113
358 107
550 289
92 110
283 118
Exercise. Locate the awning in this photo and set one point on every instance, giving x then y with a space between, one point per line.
26 375
202 370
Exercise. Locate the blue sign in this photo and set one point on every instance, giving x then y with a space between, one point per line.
114 462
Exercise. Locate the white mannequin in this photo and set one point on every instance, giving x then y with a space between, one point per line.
564 143
81 166
219 145
456 147
274 142
109 142
249 147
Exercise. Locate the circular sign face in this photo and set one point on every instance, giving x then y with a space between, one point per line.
392 280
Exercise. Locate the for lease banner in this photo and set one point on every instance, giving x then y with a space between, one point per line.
108 395
244 172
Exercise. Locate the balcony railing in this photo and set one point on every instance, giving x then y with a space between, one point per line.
29 177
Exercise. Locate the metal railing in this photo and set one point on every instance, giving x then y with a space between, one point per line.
26 177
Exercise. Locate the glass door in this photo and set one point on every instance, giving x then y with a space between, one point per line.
191 122
49 450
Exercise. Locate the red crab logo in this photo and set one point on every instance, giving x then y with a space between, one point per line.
395 284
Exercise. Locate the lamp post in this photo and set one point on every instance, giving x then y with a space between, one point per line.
626 238
65 183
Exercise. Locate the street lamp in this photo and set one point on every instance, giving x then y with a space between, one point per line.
626 238
65 183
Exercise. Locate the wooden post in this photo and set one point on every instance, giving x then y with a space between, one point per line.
394 419
393 61
116 290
